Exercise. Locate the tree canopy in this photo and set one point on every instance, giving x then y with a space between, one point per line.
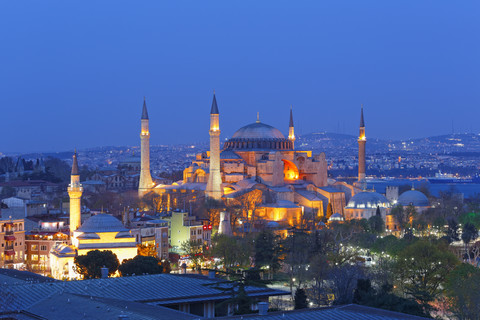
422 268
463 292
141 265
90 264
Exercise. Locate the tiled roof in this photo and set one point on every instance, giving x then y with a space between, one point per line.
84 307
347 312
308 195
159 288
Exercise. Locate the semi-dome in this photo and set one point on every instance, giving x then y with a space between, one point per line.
413 197
367 200
258 130
258 136
102 223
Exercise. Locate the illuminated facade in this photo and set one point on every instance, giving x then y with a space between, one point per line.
99 232
362 140
262 152
183 227
145 184
256 156
75 191
214 184
364 205
12 243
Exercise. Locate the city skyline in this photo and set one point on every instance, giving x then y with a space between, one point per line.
72 80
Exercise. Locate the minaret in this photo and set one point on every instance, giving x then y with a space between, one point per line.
362 140
75 191
291 131
146 182
214 183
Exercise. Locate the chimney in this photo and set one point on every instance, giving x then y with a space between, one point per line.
104 272
262 308
184 268
211 274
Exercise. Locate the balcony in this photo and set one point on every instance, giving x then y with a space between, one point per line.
9 252
9 237
9 247
8 261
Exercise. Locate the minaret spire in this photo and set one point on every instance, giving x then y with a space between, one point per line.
144 110
362 140
75 191
291 130
362 121
145 183
214 183
75 164
214 109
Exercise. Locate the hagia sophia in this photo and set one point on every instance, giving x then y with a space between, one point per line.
294 183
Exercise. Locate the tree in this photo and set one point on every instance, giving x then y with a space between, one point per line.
376 224
235 288
399 215
146 250
89 265
344 279
194 250
422 268
300 299
452 230
235 252
297 252
469 233
267 251
462 291
59 169
378 213
410 214
244 206
160 202
329 210
140 265
383 298
471 217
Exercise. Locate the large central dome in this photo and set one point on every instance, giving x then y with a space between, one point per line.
258 130
258 136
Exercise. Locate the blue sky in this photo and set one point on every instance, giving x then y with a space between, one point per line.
74 73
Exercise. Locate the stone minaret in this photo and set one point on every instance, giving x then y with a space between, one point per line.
214 188
75 191
291 131
146 182
362 140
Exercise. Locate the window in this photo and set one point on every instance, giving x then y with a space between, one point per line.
34 247
43 248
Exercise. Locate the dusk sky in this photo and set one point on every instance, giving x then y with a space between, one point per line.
74 73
